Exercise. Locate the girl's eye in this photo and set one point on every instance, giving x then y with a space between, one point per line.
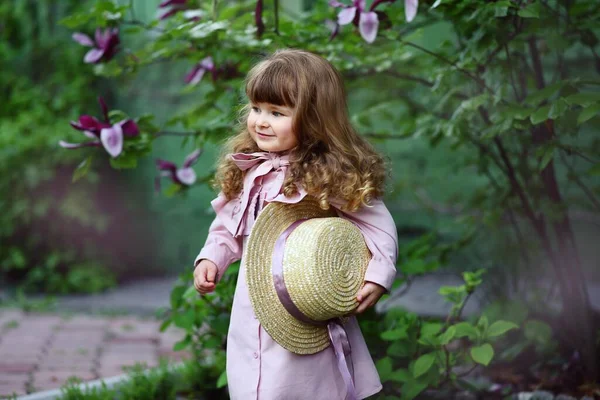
277 114
255 109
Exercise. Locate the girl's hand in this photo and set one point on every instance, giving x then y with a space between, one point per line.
368 296
205 276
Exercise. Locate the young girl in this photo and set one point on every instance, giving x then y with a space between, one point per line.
297 142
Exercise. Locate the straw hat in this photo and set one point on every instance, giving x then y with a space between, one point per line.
324 263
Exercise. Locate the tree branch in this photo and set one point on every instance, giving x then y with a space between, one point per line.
468 73
580 183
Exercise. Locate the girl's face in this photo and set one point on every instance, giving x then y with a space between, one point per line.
270 126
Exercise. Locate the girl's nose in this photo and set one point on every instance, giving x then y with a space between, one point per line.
262 122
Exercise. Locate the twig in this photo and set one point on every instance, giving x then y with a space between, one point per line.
276 12
137 22
580 183
468 73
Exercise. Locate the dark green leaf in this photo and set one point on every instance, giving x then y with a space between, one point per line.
423 364
222 381
594 170
384 368
82 169
588 113
540 115
448 335
465 329
124 161
399 333
177 296
584 99
412 389
558 109
531 10
182 344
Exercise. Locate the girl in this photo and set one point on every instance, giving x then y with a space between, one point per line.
297 142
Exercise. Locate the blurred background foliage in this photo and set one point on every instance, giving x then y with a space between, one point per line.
487 110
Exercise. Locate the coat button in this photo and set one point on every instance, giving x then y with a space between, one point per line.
255 355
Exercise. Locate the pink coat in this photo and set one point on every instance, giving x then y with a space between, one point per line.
257 367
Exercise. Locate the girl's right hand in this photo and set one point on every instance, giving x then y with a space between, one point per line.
205 276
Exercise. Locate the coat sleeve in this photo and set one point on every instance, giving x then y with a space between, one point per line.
220 247
379 230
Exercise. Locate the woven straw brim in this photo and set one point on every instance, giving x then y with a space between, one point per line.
324 264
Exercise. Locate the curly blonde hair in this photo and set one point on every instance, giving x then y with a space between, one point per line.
331 159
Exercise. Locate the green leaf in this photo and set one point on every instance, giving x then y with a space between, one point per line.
431 328
540 115
538 331
584 99
594 171
177 296
423 364
448 335
482 354
465 329
183 344
82 169
190 293
558 109
547 156
399 333
222 381
400 375
124 161
411 389
384 367
501 327
184 320
545 93
517 111
531 11
588 113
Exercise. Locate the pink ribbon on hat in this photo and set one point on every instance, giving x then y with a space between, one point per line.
337 333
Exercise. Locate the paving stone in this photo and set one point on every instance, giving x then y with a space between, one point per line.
82 322
16 368
12 379
67 367
10 390
129 348
10 358
61 364
109 371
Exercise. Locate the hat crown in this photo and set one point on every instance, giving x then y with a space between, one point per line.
324 265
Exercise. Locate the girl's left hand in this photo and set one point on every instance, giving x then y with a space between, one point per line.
368 296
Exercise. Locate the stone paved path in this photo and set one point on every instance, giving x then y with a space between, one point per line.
40 352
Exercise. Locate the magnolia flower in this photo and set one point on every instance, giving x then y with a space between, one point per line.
185 175
176 6
410 9
103 134
196 74
367 20
104 45
260 25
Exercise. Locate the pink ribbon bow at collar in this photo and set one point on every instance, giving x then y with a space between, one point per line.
269 161
266 162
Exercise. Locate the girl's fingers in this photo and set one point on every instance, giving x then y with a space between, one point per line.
364 293
211 274
365 303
